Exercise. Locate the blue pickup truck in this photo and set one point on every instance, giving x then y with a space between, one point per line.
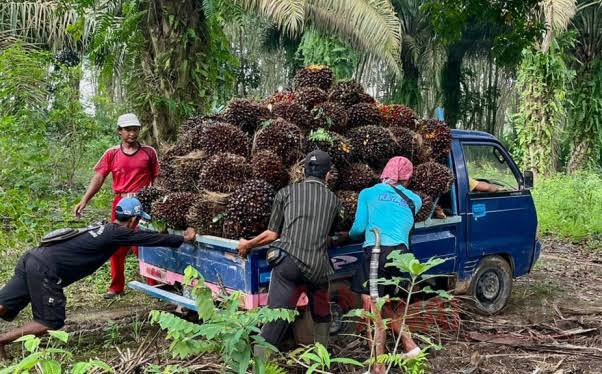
488 238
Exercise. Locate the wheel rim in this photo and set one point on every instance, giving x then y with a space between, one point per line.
489 286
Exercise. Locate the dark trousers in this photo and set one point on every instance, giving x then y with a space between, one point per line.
283 294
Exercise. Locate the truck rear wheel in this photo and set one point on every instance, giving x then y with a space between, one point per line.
491 285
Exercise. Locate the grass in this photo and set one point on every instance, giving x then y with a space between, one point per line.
570 206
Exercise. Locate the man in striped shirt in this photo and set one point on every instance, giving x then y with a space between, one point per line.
303 216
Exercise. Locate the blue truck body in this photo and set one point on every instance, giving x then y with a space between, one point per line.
479 226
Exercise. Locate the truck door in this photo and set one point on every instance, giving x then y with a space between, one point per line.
500 212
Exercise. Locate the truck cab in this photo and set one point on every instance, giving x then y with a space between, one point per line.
488 238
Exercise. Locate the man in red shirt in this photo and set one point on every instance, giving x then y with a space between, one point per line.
133 166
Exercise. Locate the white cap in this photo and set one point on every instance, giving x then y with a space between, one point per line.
128 120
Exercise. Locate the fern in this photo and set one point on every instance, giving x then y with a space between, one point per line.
320 135
271 368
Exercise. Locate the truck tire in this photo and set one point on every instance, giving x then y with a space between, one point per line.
491 285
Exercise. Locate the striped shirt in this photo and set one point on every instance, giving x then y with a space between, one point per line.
304 215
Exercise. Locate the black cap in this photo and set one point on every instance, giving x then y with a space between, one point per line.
318 161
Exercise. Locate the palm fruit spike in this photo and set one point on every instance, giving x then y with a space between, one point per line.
372 144
281 137
224 172
172 208
348 200
336 145
248 209
268 166
347 93
148 195
432 179
285 96
409 143
309 97
427 207
356 177
295 114
207 213
398 115
363 114
219 137
331 116
246 114
320 76
437 135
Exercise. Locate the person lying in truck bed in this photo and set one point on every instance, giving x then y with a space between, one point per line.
42 273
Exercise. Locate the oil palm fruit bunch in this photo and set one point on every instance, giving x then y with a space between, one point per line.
347 93
281 137
224 172
367 98
336 145
309 97
148 195
432 179
320 76
427 207
246 114
172 208
362 114
187 172
284 96
372 144
348 200
206 214
268 166
197 122
356 177
248 209
409 143
218 137
437 135
67 57
294 113
331 116
399 115
189 141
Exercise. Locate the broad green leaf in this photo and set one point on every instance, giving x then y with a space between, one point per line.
51 367
347 361
59 335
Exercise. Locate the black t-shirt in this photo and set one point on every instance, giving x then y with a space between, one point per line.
81 256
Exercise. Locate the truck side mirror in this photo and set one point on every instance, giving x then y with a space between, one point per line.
528 180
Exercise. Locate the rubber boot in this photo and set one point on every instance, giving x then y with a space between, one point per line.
322 333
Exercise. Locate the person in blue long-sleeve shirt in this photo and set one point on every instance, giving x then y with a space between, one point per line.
389 206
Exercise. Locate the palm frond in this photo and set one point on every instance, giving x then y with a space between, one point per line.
369 26
289 15
558 13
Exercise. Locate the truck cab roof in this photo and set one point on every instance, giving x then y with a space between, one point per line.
471 135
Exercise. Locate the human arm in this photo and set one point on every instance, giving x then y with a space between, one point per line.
480 186
245 246
31 328
127 237
95 185
360 223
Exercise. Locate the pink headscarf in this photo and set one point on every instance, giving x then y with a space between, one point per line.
398 169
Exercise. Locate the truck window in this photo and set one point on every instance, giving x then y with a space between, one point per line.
488 169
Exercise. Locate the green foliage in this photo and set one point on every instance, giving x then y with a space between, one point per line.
320 135
225 329
586 117
23 81
569 206
316 357
318 49
517 28
50 359
542 81
415 273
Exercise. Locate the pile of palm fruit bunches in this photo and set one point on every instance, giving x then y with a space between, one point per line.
224 170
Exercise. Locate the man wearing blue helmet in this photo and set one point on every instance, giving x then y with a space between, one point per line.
42 273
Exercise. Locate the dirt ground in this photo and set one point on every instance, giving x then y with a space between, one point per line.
552 324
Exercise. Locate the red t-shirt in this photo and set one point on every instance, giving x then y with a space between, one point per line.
132 172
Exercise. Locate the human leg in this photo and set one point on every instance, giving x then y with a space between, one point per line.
319 305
